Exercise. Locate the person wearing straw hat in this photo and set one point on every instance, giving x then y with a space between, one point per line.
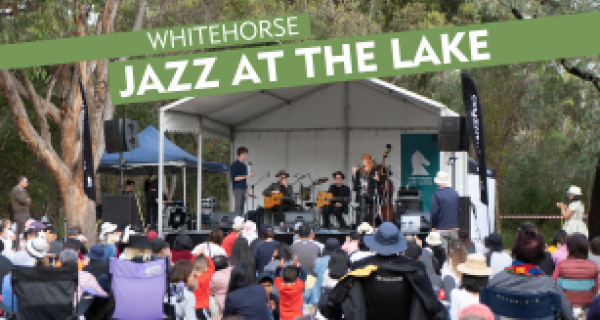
445 209
573 213
475 276
283 187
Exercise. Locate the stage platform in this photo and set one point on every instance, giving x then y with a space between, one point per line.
287 237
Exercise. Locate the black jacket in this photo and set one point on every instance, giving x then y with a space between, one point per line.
340 192
371 182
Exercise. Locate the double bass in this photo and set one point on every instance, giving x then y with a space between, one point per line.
386 190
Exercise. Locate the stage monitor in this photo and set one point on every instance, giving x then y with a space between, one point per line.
303 217
222 219
415 223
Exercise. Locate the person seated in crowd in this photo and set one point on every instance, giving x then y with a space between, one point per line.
182 248
98 266
434 245
86 282
356 248
160 249
547 264
55 246
561 253
264 251
338 266
457 255
525 275
109 238
475 275
250 233
5 264
496 258
183 281
463 236
388 295
268 283
241 251
212 246
321 265
73 235
245 298
306 250
8 238
415 252
282 251
595 251
70 244
577 275
238 225
476 312
290 284
204 269
138 249
31 257
219 283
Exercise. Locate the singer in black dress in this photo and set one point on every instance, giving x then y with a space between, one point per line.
365 181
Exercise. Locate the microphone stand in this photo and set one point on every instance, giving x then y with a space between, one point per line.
301 186
266 175
246 193
314 203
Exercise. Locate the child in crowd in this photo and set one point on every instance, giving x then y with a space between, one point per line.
267 282
290 286
204 268
182 281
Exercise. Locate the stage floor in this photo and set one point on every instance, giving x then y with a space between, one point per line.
286 237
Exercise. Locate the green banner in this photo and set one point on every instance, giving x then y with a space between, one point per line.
138 43
420 164
352 58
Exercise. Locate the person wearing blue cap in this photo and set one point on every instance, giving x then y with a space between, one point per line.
388 295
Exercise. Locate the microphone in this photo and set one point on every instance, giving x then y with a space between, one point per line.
249 163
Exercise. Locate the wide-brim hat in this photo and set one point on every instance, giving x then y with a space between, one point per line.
96 253
338 173
238 223
434 238
365 228
574 191
387 241
139 241
37 247
282 173
442 178
107 227
494 242
476 265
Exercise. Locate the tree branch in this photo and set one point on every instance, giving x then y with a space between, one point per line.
27 132
163 8
40 110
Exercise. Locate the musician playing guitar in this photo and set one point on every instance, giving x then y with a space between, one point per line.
286 191
339 202
365 180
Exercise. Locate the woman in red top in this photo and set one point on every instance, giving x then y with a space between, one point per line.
182 248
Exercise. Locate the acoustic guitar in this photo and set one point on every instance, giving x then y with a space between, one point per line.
325 198
275 199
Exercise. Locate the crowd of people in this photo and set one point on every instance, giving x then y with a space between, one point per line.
376 273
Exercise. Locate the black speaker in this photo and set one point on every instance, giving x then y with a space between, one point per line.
177 216
452 134
304 217
464 219
121 210
121 135
222 219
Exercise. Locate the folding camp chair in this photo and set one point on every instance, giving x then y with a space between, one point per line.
138 288
518 305
44 293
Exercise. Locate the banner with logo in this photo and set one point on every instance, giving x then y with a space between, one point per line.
420 164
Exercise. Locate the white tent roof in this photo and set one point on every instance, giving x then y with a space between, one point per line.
372 105
314 128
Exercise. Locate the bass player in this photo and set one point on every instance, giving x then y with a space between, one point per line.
339 203
281 186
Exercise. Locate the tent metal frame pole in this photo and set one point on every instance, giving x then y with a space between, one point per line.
184 184
199 184
232 157
345 109
161 170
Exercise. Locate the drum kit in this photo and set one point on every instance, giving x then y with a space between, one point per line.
306 193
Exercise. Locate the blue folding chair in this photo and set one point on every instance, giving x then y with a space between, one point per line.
518 305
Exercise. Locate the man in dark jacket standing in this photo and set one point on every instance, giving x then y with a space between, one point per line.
239 177
20 203
445 209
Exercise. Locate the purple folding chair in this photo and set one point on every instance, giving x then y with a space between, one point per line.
138 288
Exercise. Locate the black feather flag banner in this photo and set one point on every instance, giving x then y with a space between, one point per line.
475 125
89 185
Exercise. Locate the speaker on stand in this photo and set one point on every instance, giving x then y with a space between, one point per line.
452 134
121 135
464 218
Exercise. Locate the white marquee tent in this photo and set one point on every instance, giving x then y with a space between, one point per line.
314 129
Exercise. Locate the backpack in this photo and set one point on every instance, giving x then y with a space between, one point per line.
330 305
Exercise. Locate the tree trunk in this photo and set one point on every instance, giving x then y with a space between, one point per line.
79 210
594 213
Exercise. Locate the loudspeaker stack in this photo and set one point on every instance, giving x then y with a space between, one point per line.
452 134
121 135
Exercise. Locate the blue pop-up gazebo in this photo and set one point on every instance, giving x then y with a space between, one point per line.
144 159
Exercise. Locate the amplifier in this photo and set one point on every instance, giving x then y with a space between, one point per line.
176 216
222 219
304 217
